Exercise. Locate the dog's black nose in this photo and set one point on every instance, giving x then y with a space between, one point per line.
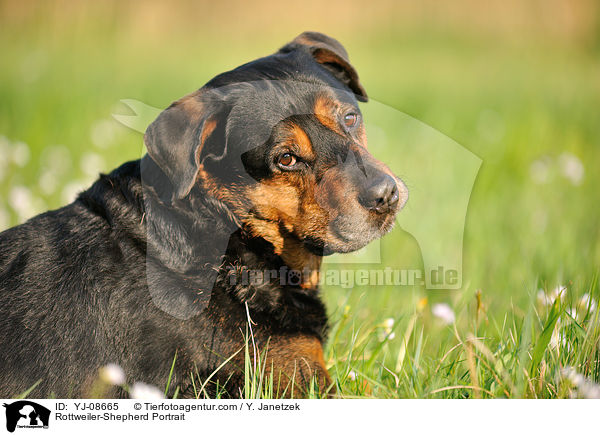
381 195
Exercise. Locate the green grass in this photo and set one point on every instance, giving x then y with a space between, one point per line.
481 355
519 105
419 356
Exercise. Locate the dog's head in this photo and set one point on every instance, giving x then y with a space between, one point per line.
281 142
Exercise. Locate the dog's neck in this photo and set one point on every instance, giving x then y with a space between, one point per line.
295 255
292 251
291 266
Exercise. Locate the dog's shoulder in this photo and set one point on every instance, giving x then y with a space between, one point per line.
68 237
114 195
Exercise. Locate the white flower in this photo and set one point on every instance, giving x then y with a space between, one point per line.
542 298
586 302
20 154
23 202
548 299
571 168
585 388
91 164
444 313
48 182
352 375
572 312
103 133
388 323
112 374
559 292
558 340
385 330
571 374
19 198
142 391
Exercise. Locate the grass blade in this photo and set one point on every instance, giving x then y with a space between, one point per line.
171 374
545 336
26 393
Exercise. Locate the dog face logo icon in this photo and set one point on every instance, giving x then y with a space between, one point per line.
26 414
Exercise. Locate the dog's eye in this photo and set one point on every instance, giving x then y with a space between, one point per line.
350 119
287 160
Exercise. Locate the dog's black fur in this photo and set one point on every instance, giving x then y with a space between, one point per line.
148 262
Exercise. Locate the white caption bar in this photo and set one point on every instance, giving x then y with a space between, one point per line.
297 416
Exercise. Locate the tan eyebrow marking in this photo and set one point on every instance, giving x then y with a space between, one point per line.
301 139
325 110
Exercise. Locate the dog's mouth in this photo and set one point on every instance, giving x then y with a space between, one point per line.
347 234
353 231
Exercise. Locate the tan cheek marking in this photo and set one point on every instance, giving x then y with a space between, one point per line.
275 199
271 204
268 230
280 205
325 112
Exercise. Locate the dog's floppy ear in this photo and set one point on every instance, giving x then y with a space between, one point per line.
176 138
331 55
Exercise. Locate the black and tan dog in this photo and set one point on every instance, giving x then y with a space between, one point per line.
265 168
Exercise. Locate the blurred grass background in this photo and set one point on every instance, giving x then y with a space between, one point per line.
515 82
